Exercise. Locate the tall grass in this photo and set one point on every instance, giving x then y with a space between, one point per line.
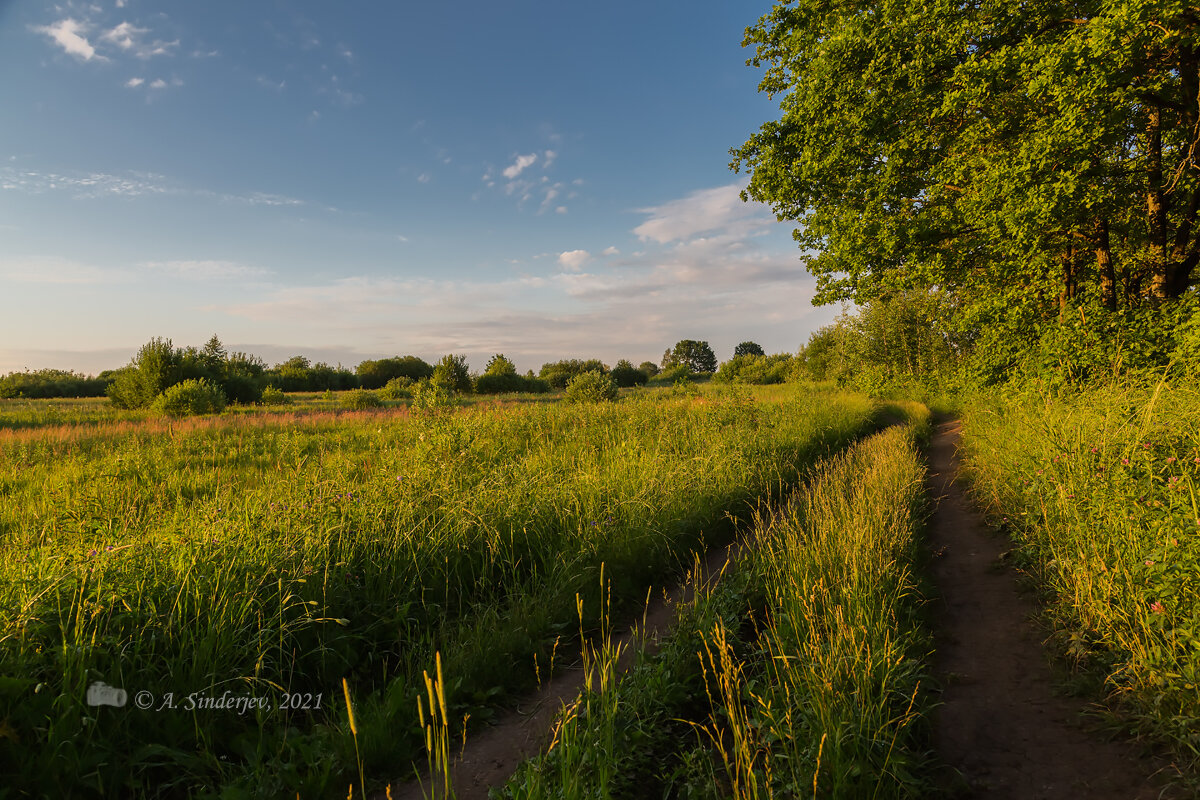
280 560
799 676
1099 490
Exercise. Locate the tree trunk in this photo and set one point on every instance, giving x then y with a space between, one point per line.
1104 266
1156 207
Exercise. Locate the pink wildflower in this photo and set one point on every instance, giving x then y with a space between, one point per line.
1157 607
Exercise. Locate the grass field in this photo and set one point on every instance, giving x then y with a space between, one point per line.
311 557
1100 492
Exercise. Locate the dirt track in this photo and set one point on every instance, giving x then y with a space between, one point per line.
1000 726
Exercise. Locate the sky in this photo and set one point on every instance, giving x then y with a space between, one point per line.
357 180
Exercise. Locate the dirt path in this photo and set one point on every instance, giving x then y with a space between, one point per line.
492 755
1001 726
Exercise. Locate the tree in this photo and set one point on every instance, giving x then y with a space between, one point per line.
1021 156
453 373
500 365
375 374
625 375
559 373
748 349
697 356
648 368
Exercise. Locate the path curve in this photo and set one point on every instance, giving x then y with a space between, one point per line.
1000 726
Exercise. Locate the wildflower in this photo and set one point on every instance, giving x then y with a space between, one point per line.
1095 450
1196 460
1125 461
1149 563
92 552
1171 459
1157 607
1145 445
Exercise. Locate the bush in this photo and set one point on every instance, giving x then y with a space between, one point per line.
671 375
452 372
510 383
755 369
360 399
591 387
430 394
559 373
398 388
193 396
275 397
626 375
377 374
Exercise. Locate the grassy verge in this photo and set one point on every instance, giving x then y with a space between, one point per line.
1099 490
799 675
327 560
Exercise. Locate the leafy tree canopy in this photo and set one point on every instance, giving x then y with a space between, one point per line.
748 349
1024 156
697 356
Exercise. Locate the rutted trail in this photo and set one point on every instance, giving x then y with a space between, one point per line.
1000 724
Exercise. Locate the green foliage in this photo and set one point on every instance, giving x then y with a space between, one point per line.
275 397
360 400
756 369
298 375
648 368
189 398
559 373
626 375
398 388
433 395
510 383
158 365
672 375
453 373
697 356
591 387
748 349
376 374
500 365
53 383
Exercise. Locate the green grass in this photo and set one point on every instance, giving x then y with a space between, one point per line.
264 553
800 675
1099 491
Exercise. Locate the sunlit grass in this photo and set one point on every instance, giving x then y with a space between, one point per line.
271 553
1100 491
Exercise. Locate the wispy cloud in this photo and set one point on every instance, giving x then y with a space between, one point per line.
703 211
131 39
207 270
59 271
520 165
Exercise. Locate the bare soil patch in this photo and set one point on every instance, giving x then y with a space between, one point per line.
1001 729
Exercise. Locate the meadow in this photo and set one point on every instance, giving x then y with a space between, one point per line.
1099 491
325 559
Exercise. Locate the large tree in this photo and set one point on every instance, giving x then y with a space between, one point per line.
1020 154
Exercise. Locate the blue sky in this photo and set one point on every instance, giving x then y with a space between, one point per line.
354 180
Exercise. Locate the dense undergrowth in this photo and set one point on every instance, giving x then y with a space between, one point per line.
277 561
1099 489
800 674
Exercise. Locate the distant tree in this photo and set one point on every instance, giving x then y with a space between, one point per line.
153 369
748 349
375 374
697 356
649 368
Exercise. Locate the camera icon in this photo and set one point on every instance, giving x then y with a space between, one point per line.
101 694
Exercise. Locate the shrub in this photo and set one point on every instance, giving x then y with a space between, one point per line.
360 399
755 369
591 387
275 397
559 373
626 375
649 368
673 374
376 374
430 394
193 396
398 388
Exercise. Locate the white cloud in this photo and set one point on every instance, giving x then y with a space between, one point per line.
158 83
424 177
548 158
125 36
520 165
69 35
574 259
703 211
611 251
133 83
560 210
